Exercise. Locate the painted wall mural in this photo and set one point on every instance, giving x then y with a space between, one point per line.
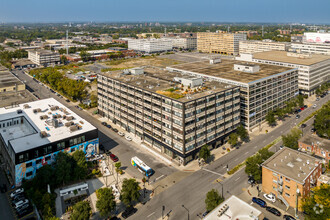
28 169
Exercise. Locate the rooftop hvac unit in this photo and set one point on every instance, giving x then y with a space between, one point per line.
73 128
55 123
36 110
26 106
68 124
53 108
69 118
19 111
43 134
42 117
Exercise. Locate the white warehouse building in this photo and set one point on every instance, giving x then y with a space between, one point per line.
150 45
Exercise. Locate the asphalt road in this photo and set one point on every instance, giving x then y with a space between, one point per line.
191 191
124 149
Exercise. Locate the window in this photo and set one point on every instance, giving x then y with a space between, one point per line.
38 161
71 142
60 146
28 164
28 174
286 179
287 187
287 195
49 149
36 153
73 149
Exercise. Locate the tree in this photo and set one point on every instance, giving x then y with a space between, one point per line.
253 163
233 138
80 168
280 113
105 201
270 118
317 205
242 132
291 140
204 152
64 60
63 168
129 192
81 211
300 100
322 121
212 200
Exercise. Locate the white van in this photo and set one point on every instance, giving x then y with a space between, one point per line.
21 203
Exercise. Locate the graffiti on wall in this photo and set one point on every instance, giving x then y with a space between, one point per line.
28 169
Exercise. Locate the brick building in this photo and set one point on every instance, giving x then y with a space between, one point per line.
290 175
315 144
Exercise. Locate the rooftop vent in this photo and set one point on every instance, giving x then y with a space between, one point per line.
42 117
74 128
69 118
36 110
68 124
19 111
53 108
248 68
26 106
299 159
290 165
43 134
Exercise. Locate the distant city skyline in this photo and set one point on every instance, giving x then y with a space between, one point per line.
253 11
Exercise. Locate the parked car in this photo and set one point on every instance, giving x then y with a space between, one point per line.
104 123
114 158
317 99
114 129
21 203
305 106
313 130
314 106
121 133
205 213
260 202
67 100
303 125
288 217
270 197
108 126
128 212
16 192
24 212
297 116
281 147
251 180
273 210
22 207
108 153
302 108
128 138
18 198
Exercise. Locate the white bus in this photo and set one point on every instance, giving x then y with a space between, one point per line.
142 167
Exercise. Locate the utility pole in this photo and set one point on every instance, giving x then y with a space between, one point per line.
262 31
186 209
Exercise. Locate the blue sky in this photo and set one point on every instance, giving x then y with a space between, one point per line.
282 11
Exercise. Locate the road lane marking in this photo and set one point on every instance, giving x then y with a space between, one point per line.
212 172
237 179
159 177
150 214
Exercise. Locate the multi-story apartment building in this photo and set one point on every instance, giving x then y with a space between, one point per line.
150 45
263 87
319 37
255 46
311 48
316 145
290 175
219 42
184 42
171 112
313 70
33 133
44 57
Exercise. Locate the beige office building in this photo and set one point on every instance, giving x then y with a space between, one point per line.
44 57
219 42
255 46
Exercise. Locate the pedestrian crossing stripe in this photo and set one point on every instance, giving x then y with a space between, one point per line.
218 180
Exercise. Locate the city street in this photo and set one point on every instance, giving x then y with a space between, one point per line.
191 191
124 149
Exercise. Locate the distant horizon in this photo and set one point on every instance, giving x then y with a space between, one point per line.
100 11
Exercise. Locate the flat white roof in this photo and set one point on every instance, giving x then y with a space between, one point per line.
233 208
26 135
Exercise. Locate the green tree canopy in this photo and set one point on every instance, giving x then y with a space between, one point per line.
233 139
270 118
212 200
204 152
63 167
130 191
253 163
81 211
80 165
322 121
105 201
242 132
291 140
317 205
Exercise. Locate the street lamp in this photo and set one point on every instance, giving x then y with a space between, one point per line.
186 209
221 188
